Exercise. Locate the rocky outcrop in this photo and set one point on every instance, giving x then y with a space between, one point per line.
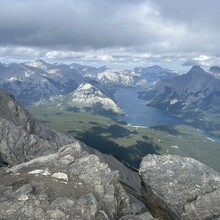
176 187
69 184
21 136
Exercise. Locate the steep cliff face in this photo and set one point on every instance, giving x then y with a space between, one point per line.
21 136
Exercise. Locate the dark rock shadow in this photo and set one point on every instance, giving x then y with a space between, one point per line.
131 155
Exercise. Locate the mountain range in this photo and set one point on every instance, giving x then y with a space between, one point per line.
39 82
76 87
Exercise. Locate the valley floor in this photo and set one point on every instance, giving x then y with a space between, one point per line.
130 143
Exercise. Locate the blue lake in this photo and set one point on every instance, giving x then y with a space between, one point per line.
138 114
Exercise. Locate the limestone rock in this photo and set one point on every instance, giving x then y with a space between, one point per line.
177 187
144 216
22 137
49 187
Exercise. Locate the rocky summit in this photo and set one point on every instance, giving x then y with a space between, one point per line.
48 175
69 184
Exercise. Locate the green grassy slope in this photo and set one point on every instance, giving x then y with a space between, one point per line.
128 143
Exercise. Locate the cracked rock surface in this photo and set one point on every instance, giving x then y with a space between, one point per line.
177 187
69 184
22 137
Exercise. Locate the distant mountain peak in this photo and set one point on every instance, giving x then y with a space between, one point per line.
196 69
214 69
39 63
156 67
102 68
86 86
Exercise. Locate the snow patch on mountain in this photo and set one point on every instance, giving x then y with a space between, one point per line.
123 77
12 79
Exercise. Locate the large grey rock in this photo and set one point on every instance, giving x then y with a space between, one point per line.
69 184
21 136
176 187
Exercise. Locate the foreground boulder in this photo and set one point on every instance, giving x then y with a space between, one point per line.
176 187
69 184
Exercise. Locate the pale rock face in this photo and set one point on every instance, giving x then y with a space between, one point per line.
121 77
87 95
37 64
36 171
60 176
90 191
173 101
23 197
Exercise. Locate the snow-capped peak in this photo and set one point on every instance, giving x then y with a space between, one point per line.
85 86
38 64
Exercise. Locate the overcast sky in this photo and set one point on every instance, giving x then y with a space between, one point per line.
119 32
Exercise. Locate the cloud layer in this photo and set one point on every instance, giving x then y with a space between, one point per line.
110 28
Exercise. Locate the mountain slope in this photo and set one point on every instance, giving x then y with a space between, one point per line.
85 97
21 136
194 90
30 82
118 77
154 73
215 71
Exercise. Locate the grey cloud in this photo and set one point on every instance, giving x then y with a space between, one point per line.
168 28
70 23
203 12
